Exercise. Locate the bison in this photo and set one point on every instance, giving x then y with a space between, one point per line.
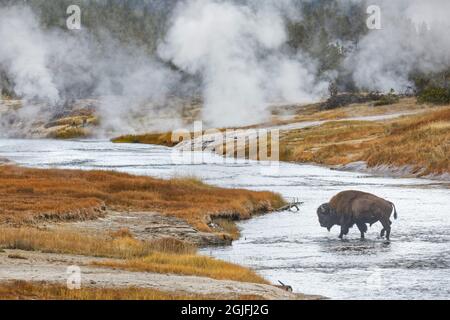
355 207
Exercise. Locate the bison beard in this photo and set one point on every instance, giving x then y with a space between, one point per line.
355 207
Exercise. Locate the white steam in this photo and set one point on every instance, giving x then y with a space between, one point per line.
23 56
237 52
233 51
414 37
49 68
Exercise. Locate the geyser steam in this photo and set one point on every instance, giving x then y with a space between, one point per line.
414 38
237 50
23 57
236 53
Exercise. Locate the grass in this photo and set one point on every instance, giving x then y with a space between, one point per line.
30 196
158 256
74 121
186 264
71 127
332 143
420 141
313 112
164 139
436 95
69 133
66 242
23 290
229 227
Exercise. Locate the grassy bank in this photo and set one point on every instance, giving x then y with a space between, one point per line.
420 141
158 256
163 139
66 242
300 113
186 264
30 196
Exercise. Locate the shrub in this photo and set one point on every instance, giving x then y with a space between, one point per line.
435 95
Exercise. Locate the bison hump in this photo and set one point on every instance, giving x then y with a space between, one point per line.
342 202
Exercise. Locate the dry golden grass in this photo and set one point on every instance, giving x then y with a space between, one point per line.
121 233
65 242
314 113
22 290
164 139
305 113
229 227
186 264
30 196
332 143
158 256
33 195
67 132
75 120
420 141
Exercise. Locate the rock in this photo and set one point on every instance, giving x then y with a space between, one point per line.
74 120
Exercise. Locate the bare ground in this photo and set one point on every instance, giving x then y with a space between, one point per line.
38 266
146 226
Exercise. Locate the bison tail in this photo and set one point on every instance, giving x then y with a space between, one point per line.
395 211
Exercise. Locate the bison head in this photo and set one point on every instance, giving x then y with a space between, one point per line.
327 216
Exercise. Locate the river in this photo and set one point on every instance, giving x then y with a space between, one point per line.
291 246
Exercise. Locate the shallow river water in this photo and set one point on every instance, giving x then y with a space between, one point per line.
289 246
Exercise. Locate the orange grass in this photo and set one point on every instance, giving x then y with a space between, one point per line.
164 139
158 256
186 264
65 242
421 141
33 195
313 112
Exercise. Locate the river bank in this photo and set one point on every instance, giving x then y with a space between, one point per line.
294 250
44 268
55 218
405 139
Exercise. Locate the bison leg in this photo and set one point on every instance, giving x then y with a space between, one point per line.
344 232
383 232
362 228
388 234
386 228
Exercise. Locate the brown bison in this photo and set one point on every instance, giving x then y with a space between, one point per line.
355 207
